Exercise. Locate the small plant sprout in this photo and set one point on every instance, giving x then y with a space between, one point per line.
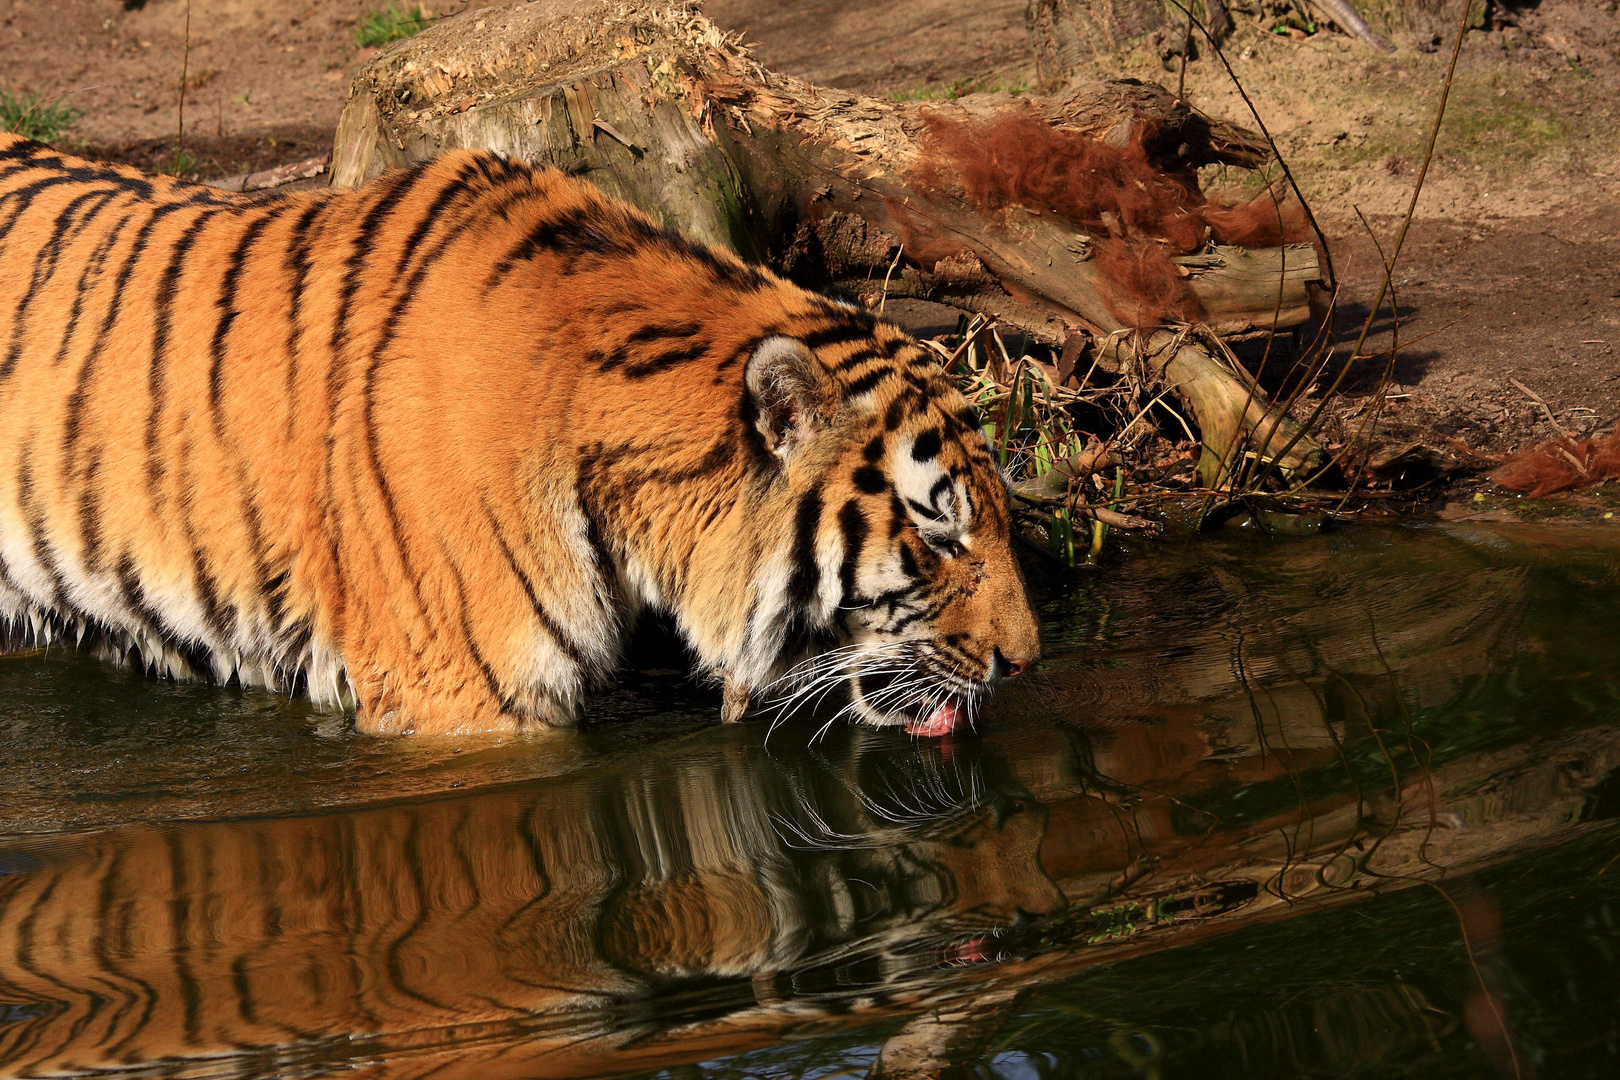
384 26
33 116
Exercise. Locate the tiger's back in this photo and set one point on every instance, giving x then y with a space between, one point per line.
428 447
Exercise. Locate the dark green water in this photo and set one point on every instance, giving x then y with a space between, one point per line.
1336 807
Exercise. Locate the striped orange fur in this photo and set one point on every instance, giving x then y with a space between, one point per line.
524 931
429 449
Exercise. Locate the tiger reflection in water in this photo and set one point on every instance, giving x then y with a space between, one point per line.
545 925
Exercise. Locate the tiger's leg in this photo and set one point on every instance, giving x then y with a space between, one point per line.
497 627
449 675
463 710
734 701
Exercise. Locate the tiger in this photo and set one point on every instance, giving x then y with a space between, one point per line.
642 912
429 449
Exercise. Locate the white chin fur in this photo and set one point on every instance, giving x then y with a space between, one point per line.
864 714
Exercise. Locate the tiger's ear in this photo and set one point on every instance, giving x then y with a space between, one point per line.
790 391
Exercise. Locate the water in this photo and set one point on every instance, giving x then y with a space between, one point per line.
1332 807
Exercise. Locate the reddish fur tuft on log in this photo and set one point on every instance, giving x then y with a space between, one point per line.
1561 465
1139 215
1020 159
1257 221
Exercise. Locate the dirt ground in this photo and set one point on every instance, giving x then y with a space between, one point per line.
1511 270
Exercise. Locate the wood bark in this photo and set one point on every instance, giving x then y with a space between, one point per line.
657 106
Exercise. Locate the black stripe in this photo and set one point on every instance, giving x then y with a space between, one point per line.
653 332
866 382
16 167
355 266
805 581
576 232
359 255
927 385
852 523
552 627
603 562
458 185
223 631
618 307
870 479
893 598
727 270
923 612
665 361
180 900
898 339
106 900
18 200
45 261
76 400
297 263
25 961
896 414
744 353
600 231
518 193
90 515
851 327
18 148
496 170
163 326
927 446
867 354
908 564
134 598
660 331
34 518
924 510
106 197
491 678
406 294
226 303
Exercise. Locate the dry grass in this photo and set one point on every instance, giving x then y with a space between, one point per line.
1086 450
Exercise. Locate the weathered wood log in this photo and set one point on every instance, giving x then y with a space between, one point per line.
1348 19
656 105
1233 414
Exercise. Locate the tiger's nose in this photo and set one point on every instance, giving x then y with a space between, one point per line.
1007 669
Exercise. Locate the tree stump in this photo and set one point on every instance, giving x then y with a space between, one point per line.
656 105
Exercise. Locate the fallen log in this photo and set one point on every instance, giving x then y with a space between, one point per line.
656 105
280 176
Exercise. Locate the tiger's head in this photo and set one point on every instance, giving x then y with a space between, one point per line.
896 572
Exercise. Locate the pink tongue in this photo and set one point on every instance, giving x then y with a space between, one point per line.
942 721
